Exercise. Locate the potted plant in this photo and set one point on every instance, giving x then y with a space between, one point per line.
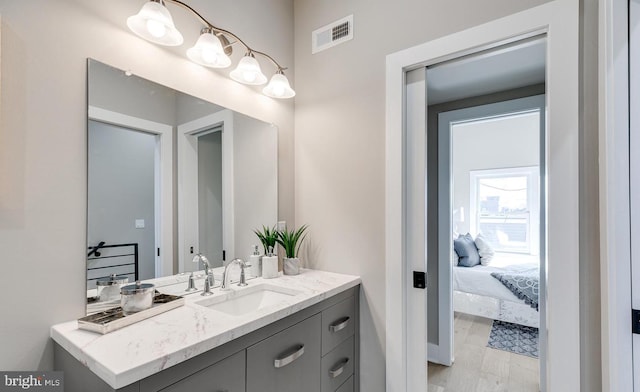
268 236
291 240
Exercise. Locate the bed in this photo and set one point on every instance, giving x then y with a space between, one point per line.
478 292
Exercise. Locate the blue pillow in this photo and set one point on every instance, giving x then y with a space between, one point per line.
465 247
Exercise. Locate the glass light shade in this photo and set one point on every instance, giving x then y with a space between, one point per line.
248 71
208 51
154 23
279 87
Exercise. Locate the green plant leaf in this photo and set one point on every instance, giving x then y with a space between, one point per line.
268 237
291 240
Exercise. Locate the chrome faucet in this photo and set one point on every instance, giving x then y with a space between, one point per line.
208 275
225 274
201 258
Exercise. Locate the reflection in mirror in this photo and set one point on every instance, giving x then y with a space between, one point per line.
170 176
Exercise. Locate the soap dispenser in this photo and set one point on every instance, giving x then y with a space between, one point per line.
255 260
270 265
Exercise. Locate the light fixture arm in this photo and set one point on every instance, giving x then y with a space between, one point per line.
222 34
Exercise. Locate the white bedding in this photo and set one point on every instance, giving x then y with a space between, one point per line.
478 279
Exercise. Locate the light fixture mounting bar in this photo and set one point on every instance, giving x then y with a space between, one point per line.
222 33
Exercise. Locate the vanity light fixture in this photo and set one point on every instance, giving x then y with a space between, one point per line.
154 23
248 71
213 48
278 87
208 51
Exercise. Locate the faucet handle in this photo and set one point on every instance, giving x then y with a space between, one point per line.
207 287
243 265
192 284
243 280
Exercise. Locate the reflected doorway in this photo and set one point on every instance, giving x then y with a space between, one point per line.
210 194
122 195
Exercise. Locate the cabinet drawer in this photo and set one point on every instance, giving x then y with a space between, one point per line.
337 366
227 375
347 386
337 324
287 361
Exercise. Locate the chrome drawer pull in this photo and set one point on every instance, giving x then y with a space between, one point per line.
339 368
288 358
339 325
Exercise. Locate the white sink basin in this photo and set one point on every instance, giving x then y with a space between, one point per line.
250 299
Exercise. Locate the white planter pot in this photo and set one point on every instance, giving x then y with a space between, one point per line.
291 266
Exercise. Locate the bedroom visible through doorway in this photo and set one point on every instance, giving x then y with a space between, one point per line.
486 246
494 171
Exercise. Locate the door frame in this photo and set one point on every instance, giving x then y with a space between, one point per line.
163 193
188 232
615 234
560 21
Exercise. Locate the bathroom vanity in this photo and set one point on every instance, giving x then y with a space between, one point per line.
289 334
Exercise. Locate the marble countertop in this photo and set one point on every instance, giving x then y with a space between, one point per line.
140 350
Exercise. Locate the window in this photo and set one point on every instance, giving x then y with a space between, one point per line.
504 208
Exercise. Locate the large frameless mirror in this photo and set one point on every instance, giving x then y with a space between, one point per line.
171 176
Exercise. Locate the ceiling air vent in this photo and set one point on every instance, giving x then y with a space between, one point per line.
332 34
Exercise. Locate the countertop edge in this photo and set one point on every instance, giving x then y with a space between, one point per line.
121 379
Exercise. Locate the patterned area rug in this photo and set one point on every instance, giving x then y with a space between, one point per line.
514 338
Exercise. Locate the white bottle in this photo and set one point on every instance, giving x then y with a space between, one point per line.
255 260
270 266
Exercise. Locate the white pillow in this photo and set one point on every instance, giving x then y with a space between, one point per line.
484 249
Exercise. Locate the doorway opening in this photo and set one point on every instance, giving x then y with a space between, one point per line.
210 195
206 217
489 241
123 202
128 204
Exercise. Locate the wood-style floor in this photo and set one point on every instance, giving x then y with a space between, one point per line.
478 368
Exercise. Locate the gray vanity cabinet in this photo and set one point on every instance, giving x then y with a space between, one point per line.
347 386
312 350
337 366
287 361
227 375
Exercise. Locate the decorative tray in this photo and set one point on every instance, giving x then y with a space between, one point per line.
113 319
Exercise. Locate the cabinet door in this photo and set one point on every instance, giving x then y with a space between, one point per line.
227 375
288 361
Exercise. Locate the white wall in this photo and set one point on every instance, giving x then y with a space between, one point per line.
255 184
339 143
509 142
43 139
109 89
190 108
